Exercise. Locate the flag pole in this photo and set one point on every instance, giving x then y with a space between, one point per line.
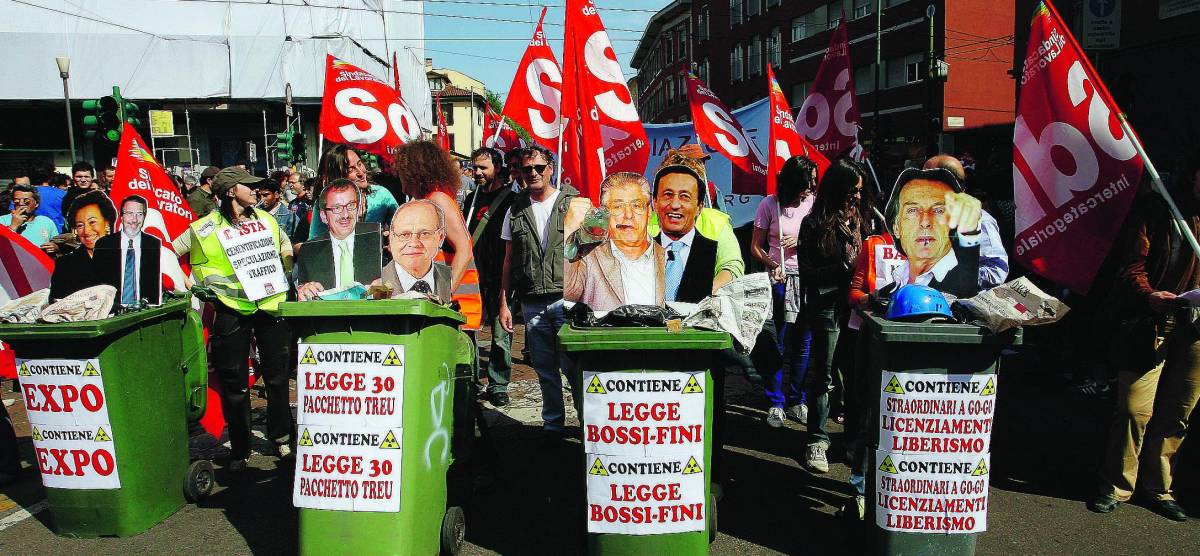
1156 182
562 130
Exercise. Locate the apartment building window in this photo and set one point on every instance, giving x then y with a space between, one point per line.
702 23
735 63
702 70
668 44
735 12
774 46
755 56
447 109
682 85
863 8
670 91
810 23
864 79
799 93
834 11
891 3
682 41
772 3
753 7
904 70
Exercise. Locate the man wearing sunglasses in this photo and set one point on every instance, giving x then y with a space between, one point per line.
350 253
533 271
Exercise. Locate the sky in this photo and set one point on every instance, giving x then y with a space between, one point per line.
499 31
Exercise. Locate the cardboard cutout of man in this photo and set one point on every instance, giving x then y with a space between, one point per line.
691 257
351 252
937 228
129 259
417 233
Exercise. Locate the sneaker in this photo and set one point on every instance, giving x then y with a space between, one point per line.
854 509
285 452
236 465
1103 503
775 417
1169 509
815 459
498 399
798 412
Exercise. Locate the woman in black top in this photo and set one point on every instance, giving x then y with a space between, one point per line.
91 217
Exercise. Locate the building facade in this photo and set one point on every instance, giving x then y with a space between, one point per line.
463 101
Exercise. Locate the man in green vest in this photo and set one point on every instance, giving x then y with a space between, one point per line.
533 271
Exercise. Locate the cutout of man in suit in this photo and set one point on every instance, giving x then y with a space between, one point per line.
129 260
937 227
691 257
350 253
418 230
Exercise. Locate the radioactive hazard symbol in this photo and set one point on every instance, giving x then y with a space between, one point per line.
102 435
308 358
90 370
989 389
692 386
692 467
980 470
893 386
389 442
598 469
305 439
392 360
24 371
887 466
37 435
594 387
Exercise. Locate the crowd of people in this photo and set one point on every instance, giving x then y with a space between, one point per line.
520 247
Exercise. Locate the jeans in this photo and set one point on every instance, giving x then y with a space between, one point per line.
824 324
794 342
543 317
499 367
229 349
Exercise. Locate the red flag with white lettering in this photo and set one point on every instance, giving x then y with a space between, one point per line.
604 133
364 111
535 95
829 116
443 136
784 141
24 269
497 133
1075 172
717 128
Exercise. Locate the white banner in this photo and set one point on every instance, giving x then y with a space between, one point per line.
350 384
931 493
936 413
68 412
256 263
644 495
654 413
348 468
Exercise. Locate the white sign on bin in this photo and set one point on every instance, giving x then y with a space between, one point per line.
652 413
931 493
354 469
936 412
646 495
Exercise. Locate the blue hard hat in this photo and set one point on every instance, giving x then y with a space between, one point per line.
913 302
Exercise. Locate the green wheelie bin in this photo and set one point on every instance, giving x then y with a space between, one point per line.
382 415
646 418
929 464
109 403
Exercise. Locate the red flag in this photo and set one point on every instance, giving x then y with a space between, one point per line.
829 116
536 93
24 268
718 129
443 137
497 133
1075 172
604 133
396 76
784 141
364 111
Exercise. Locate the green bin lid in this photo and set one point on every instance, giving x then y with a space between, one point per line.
90 328
640 338
369 308
935 333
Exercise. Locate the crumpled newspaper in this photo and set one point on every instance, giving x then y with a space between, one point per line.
92 303
24 310
1011 305
739 308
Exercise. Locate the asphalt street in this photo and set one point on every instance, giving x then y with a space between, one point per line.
529 500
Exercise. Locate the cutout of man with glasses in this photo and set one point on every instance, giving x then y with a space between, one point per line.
129 260
350 253
418 230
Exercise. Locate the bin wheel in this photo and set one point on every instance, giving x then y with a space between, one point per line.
199 481
712 518
454 531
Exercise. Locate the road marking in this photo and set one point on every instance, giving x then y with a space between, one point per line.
22 515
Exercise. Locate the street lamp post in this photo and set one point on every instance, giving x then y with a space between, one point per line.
64 71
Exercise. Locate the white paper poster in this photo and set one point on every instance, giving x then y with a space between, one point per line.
68 413
256 263
348 468
936 413
350 384
654 413
646 495
931 493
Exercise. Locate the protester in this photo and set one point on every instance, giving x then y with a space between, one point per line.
829 240
301 208
512 162
341 161
241 315
25 221
626 268
777 227
130 260
289 183
349 254
533 271
417 232
1159 384
92 216
107 173
484 210
201 200
51 197
271 201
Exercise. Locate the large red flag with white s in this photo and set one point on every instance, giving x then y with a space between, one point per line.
364 111
535 96
829 116
1075 172
497 133
717 128
784 141
604 133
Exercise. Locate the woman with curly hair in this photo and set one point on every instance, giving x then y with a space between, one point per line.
341 161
